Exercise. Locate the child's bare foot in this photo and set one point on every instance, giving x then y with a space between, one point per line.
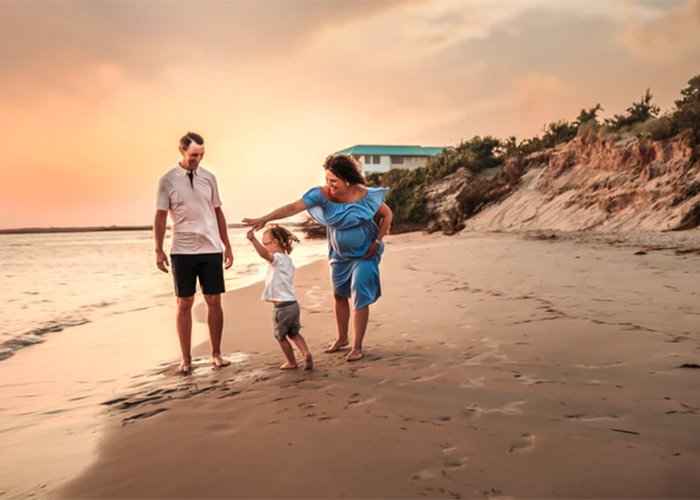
354 355
308 362
337 346
218 361
288 366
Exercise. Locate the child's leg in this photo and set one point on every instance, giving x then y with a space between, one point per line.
301 344
289 354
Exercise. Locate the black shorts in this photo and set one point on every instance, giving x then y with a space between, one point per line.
208 267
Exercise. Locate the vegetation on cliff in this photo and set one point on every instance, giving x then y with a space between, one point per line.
471 159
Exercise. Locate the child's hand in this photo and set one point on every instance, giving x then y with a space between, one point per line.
251 234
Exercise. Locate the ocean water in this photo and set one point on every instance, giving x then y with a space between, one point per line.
52 281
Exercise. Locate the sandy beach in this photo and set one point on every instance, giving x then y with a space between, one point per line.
496 367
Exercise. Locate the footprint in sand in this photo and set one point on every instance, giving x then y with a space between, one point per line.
591 366
525 443
475 411
141 416
496 494
473 382
355 400
450 465
533 381
582 417
448 448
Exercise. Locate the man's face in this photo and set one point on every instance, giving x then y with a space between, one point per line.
192 156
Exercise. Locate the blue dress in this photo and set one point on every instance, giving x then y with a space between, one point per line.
351 230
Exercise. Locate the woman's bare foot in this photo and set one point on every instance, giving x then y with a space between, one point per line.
185 368
308 362
354 355
337 346
219 362
288 366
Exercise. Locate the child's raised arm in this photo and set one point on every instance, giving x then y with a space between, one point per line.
262 251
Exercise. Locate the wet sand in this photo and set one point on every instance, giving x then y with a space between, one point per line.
495 367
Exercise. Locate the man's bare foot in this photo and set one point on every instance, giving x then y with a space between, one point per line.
308 362
354 355
185 368
288 366
337 346
219 362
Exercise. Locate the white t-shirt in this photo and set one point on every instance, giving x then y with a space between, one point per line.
191 207
279 279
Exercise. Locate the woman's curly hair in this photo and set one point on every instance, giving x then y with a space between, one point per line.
283 235
346 168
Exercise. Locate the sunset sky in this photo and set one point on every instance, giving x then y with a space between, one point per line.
95 94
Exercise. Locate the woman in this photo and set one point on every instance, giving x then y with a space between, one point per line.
347 209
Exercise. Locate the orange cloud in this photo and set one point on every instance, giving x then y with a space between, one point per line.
666 39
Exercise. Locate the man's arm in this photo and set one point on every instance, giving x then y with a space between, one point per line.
159 224
223 234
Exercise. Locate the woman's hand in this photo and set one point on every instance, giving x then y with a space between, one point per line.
372 250
255 224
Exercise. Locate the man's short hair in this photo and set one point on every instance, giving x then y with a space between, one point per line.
189 138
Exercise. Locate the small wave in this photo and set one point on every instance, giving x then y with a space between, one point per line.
58 325
35 335
24 341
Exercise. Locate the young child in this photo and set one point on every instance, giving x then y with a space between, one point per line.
276 244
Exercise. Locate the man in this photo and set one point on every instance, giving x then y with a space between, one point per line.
191 195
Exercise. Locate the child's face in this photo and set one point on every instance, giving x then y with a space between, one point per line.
269 242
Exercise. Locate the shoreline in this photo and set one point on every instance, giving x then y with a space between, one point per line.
90 364
96 229
491 362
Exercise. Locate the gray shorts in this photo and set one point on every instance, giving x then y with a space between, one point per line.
285 319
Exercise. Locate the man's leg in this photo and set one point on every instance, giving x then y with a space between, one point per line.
184 332
215 320
211 278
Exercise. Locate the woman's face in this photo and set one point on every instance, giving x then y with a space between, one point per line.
335 184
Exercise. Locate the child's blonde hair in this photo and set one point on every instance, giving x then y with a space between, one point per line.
283 235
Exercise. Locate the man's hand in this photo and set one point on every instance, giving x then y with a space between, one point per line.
162 261
228 257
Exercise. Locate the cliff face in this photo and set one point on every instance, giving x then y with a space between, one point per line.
587 184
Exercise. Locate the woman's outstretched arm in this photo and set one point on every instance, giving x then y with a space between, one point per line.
281 213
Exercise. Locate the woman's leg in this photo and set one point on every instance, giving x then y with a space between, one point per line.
359 325
366 289
342 322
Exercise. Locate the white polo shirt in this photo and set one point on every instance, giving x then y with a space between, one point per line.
191 207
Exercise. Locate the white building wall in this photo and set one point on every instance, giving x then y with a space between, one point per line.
383 166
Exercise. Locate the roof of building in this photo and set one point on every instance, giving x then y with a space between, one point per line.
366 149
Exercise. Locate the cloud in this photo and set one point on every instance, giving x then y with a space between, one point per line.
49 42
666 39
